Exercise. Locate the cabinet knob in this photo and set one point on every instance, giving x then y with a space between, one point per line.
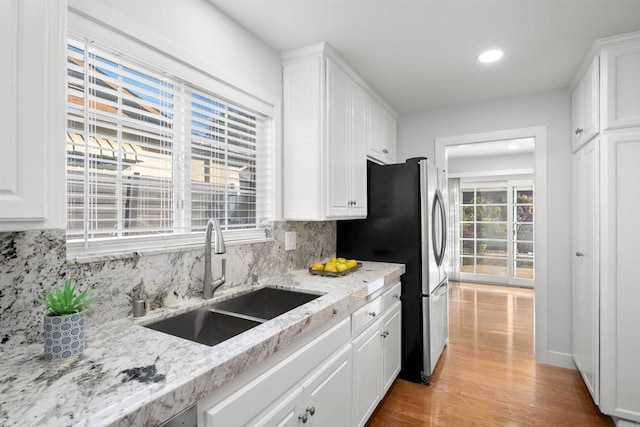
355 203
579 254
385 151
384 334
311 410
304 418
578 131
372 313
396 296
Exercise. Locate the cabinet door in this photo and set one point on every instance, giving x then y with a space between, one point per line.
366 373
620 345
591 101
284 414
621 68
302 131
585 285
32 108
359 152
391 346
576 116
328 393
339 156
377 130
389 150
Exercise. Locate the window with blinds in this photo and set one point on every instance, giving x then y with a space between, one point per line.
150 157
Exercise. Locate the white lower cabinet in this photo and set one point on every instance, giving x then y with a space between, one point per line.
335 378
323 400
391 347
273 389
367 362
376 361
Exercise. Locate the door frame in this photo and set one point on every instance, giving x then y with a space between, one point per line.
540 206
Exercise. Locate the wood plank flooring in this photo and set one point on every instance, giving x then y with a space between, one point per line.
487 376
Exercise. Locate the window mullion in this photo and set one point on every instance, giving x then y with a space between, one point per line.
86 136
119 205
182 163
510 229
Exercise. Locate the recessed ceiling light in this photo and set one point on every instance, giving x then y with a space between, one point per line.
491 56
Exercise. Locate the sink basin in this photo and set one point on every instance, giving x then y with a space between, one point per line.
265 303
204 326
225 319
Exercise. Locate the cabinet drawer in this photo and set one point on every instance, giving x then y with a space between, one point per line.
248 401
365 315
391 296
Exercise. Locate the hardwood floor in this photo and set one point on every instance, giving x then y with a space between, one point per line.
487 376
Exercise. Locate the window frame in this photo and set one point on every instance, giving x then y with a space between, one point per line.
510 186
81 27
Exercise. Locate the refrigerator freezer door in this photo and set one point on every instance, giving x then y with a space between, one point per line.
439 218
435 326
428 187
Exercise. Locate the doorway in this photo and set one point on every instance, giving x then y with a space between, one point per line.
446 146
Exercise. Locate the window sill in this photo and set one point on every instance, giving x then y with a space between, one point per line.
129 254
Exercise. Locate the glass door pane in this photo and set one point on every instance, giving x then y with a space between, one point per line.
496 232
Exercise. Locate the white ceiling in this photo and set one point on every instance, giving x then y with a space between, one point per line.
421 54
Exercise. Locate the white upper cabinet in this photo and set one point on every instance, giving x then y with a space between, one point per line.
32 109
327 131
585 106
381 137
346 162
621 102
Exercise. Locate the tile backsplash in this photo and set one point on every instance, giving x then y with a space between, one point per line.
33 261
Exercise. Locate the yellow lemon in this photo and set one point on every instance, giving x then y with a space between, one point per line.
317 266
341 267
341 260
331 267
351 263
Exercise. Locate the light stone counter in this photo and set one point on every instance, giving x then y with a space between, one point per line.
130 375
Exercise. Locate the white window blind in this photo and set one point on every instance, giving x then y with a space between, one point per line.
150 157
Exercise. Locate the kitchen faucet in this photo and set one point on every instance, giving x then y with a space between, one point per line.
209 285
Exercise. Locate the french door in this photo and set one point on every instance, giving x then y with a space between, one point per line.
496 232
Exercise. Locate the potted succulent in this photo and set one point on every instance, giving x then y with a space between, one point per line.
64 321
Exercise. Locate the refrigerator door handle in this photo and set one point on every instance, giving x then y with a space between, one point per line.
440 290
438 214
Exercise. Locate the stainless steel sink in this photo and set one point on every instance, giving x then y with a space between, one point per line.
225 319
265 303
204 326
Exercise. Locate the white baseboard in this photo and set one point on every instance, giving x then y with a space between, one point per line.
619 422
564 360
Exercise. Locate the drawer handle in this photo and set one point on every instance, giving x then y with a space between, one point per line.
372 313
384 334
304 418
579 254
578 131
385 151
311 410
396 296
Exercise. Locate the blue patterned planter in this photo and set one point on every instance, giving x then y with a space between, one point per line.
63 339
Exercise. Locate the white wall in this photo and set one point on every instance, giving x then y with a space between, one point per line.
490 163
416 134
201 31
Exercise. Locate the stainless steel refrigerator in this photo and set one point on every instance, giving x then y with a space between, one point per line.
406 223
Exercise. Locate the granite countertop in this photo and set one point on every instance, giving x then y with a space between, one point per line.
131 375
